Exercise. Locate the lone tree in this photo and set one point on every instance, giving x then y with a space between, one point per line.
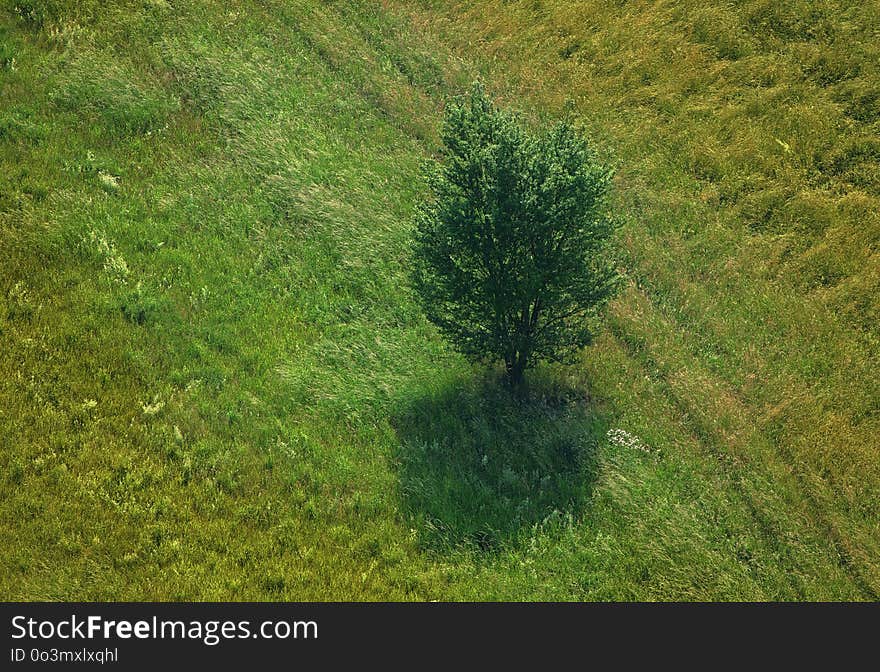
510 251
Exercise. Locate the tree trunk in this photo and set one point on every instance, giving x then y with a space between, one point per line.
515 369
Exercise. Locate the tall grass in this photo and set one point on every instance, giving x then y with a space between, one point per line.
215 385
744 136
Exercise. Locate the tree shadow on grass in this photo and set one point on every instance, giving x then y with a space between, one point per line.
479 463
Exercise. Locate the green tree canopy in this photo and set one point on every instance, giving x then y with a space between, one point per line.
511 245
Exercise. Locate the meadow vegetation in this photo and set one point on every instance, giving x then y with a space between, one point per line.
215 384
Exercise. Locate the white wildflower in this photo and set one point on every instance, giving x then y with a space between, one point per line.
151 409
114 263
116 267
108 180
19 294
623 439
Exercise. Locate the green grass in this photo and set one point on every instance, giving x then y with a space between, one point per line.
214 383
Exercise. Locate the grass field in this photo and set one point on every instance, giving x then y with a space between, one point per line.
214 383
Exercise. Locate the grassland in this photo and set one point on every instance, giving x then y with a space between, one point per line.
215 385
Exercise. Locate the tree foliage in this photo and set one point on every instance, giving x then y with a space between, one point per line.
511 246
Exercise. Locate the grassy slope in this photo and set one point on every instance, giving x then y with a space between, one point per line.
230 306
214 386
747 138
